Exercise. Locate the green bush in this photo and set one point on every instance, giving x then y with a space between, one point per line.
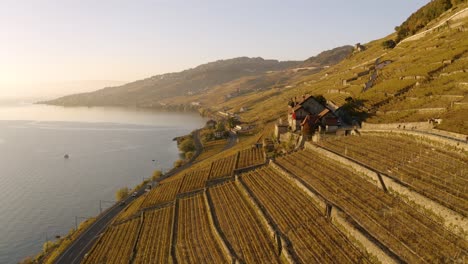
178 163
189 155
187 145
220 127
156 175
422 17
389 44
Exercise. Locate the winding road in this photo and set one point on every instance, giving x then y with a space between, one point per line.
80 246
231 141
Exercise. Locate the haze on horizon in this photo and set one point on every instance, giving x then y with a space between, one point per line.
53 48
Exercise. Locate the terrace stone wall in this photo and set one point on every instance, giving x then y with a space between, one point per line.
402 126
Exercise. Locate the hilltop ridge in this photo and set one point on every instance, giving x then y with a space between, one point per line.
152 92
417 80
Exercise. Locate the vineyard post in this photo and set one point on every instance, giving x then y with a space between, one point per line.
103 201
46 242
328 210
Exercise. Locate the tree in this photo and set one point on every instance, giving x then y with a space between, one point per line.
220 127
156 175
389 44
187 145
189 155
321 100
48 245
122 193
423 16
209 136
178 163
232 122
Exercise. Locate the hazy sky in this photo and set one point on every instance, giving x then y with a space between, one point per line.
51 46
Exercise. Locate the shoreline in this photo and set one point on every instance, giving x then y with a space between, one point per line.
87 158
114 209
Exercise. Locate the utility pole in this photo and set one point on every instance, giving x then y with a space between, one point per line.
102 201
46 243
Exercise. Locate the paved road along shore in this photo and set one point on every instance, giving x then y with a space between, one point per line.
78 248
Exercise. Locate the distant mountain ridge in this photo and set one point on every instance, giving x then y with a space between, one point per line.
329 57
149 92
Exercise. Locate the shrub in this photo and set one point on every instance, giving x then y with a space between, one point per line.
389 44
189 155
122 193
178 163
156 175
48 245
220 127
187 145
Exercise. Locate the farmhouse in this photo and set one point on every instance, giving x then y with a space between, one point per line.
243 128
314 111
280 128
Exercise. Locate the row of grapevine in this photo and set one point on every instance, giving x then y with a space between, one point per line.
196 242
241 225
194 180
155 240
433 172
165 192
223 167
115 245
211 148
412 236
314 239
131 209
250 157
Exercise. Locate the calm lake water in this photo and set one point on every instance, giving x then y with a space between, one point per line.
41 192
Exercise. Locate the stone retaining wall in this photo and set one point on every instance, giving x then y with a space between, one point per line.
140 228
451 217
372 245
225 246
281 242
402 125
175 220
438 136
319 202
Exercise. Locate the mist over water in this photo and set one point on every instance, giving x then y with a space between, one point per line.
41 192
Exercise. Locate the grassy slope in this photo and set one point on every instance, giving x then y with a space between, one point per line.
439 85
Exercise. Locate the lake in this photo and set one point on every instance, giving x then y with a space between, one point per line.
41 192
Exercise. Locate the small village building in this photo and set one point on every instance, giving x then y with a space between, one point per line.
309 106
358 47
219 134
243 128
280 129
268 144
